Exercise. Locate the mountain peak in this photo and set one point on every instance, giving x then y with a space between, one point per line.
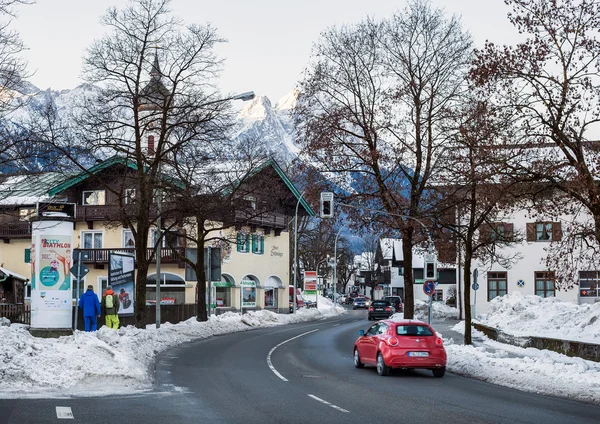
257 109
288 102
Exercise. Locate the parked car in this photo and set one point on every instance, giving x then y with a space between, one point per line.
381 309
396 302
310 304
299 299
360 303
406 344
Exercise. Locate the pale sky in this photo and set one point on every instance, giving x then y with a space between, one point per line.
269 41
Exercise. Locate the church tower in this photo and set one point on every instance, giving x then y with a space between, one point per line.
153 99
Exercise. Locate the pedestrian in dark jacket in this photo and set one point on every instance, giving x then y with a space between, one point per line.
91 308
110 314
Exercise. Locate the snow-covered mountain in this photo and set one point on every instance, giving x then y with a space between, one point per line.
271 126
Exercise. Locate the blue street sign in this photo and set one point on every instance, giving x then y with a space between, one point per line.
429 287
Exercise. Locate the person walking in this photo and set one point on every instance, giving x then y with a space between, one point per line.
90 304
110 306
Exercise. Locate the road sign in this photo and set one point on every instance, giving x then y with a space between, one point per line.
429 287
83 270
475 286
475 275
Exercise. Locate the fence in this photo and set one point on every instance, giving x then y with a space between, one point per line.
20 314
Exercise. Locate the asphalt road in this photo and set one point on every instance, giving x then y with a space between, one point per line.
301 373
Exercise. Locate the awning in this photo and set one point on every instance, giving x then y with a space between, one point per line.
5 274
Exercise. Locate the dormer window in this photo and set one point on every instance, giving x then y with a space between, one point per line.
94 197
129 196
250 202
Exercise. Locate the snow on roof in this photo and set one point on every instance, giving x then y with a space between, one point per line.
13 274
28 189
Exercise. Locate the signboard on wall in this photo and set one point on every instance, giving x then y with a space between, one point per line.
51 257
121 276
248 293
310 282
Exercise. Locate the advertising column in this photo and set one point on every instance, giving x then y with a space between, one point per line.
51 257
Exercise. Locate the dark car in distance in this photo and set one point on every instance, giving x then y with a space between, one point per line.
381 309
396 302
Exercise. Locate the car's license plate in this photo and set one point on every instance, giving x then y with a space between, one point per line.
418 353
379 309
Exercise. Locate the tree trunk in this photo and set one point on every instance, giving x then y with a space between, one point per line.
409 294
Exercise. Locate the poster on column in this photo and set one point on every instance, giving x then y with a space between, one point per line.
51 294
121 274
310 282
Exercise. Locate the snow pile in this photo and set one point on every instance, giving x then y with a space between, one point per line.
97 363
546 317
529 369
440 311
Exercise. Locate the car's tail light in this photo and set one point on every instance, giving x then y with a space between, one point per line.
370 309
388 309
393 341
439 342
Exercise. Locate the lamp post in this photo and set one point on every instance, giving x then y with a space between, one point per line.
334 282
296 249
248 95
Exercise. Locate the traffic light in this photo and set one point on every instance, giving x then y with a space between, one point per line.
431 267
326 205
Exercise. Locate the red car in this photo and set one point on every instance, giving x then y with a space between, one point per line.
406 344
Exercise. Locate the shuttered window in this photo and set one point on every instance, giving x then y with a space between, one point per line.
544 231
243 242
27 256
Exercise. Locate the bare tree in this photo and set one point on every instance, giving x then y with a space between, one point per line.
155 96
372 109
553 79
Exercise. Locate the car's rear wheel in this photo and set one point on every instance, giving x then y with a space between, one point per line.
382 368
357 362
439 372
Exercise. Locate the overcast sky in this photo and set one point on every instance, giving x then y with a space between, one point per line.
269 41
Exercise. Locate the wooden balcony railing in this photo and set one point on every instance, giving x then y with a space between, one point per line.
15 230
269 220
100 256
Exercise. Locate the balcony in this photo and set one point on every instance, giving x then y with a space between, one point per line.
15 230
267 220
167 256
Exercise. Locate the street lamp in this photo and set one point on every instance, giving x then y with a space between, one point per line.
296 249
248 95
335 261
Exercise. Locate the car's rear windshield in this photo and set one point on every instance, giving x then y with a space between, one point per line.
413 330
392 298
381 303
360 299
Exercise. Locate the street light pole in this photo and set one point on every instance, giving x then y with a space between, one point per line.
334 282
296 249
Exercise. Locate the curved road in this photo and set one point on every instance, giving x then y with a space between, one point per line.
300 373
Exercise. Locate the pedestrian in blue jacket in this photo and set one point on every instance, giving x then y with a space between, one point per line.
90 304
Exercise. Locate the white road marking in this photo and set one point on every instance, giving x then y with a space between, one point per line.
270 364
328 404
64 412
335 325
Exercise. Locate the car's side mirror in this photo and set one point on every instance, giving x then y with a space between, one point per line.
361 332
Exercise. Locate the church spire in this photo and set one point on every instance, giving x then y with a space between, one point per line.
155 72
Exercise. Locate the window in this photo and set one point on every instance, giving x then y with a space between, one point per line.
438 296
82 288
258 244
544 231
589 284
413 330
91 240
128 240
544 284
93 197
27 256
102 285
129 196
150 144
170 238
496 284
243 242
271 297
26 213
250 202
501 231
223 297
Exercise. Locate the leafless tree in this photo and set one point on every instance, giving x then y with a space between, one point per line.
552 79
372 110
155 95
